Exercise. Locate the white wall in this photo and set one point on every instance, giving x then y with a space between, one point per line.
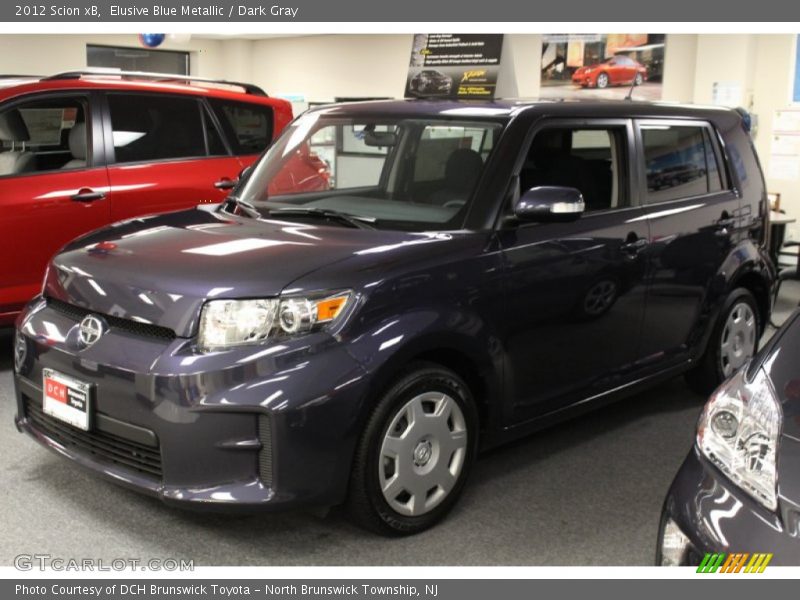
679 68
45 54
329 66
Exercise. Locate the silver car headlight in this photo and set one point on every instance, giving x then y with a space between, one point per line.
738 432
227 323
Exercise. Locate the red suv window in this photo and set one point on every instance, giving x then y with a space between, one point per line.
247 126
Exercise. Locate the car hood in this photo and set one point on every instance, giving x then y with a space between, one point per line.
161 269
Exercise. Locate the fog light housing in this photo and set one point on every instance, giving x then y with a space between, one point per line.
675 545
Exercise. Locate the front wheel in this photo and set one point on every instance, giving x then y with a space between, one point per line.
733 342
602 81
415 453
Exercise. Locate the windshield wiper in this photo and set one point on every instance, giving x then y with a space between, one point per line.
242 205
326 213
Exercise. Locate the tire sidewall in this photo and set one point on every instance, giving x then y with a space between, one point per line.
425 379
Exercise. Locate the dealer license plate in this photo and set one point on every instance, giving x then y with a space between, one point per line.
67 399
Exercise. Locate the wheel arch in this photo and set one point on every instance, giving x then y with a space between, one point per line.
757 284
457 353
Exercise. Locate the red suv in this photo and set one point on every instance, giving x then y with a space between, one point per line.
80 150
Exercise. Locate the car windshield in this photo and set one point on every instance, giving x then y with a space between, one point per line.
414 174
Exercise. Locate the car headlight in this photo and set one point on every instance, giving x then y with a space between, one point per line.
738 432
227 323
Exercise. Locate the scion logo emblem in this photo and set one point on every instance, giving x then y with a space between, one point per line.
90 330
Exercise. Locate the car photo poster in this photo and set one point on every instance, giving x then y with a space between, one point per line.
451 65
581 65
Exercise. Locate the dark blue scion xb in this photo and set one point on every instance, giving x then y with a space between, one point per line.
475 271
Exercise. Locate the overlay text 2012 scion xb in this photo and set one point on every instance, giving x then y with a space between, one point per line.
474 271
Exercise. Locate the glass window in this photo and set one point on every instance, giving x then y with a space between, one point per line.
371 169
714 174
588 159
216 147
438 143
679 161
43 135
247 126
151 128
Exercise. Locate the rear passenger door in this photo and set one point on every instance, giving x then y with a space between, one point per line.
694 214
166 153
53 185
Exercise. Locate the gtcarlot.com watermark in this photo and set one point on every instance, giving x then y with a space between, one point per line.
48 562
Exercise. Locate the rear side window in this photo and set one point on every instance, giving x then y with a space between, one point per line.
680 162
152 128
248 127
44 135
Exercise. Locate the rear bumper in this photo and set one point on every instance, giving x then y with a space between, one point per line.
716 516
257 428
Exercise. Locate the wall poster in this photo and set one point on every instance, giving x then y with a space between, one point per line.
447 65
580 65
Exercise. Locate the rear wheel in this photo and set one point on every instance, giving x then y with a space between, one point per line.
638 80
602 81
416 451
733 342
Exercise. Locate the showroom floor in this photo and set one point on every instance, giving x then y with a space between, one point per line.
586 492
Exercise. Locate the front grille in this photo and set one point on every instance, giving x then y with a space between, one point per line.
265 454
102 446
127 325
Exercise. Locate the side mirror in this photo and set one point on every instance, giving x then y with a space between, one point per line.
549 203
244 173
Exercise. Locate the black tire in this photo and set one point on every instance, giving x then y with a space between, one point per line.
366 505
708 374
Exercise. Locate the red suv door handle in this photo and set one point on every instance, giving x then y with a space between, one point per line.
225 184
87 195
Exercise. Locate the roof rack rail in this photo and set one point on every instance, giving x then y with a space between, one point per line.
249 88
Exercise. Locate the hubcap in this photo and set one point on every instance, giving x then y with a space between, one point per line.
600 297
738 341
423 453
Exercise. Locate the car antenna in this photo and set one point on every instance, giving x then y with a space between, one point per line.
629 95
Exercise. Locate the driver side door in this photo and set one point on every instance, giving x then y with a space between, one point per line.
575 291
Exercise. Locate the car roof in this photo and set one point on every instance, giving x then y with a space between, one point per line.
505 109
14 85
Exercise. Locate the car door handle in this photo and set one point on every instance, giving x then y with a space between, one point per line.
225 184
634 246
87 195
722 227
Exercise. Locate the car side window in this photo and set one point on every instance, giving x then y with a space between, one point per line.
44 135
149 128
680 162
590 159
247 126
